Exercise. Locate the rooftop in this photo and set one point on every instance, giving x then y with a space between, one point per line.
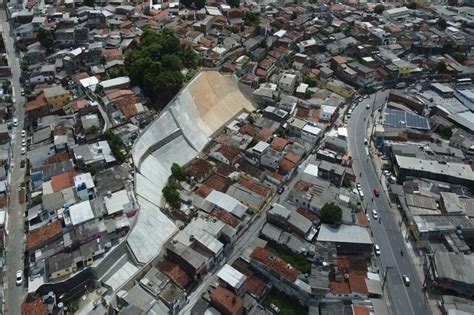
344 233
44 234
274 263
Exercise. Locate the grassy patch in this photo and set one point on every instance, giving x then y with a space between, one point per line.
298 261
286 304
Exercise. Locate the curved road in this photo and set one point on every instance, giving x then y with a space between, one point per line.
404 300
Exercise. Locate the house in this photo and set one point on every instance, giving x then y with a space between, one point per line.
349 239
232 279
225 154
287 83
60 266
327 113
397 14
95 155
281 274
56 97
85 186
199 170
332 172
187 258
226 302
116 83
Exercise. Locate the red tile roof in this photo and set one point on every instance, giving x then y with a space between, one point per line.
254 186
43 235
175 273
256 286
34 307
112 95
218 183
360 310
38 102
357 284
340 287
248 129
198 168
279 143
63 181
58 157
307 214
225 169
362 219
230 153
203 191
225 217
264 134
226 301
274 263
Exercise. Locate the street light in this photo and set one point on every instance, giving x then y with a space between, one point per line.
385 275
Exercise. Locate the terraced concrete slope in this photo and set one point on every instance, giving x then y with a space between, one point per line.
181 131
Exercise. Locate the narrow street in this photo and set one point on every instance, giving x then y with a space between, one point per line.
15 239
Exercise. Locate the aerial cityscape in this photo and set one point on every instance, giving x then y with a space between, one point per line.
237 157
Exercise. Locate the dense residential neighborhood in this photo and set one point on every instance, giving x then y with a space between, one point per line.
229 157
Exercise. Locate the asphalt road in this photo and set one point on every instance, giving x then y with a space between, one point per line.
404 300
13 294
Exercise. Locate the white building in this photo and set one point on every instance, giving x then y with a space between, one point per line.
287 83
397 14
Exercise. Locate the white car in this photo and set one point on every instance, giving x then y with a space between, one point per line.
366 141
23 151
23 133
368 218
19 277
358 186
377 250
23 142
15 122
406 280
367 106
366 97
375 215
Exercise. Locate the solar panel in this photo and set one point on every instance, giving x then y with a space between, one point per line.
402 119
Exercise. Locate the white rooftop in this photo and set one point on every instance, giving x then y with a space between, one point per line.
85 178
312 129
311 169
90 81
227 203
231 276
344 233
118 201
81 212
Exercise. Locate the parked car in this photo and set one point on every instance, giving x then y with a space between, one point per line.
367 106
366 141
377 250
406 280
281 190
15 122
23 142
23 133
19 277
23 151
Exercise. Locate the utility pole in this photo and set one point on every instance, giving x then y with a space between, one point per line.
385 276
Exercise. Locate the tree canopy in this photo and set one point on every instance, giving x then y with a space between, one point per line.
251 19
379 8
442 24
441 67
178 172
233 3
331 213
46 38
459 57
156 65
412 5
172 196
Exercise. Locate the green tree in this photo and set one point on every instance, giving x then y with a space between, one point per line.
441 67
172 196
172 62
234 3
251 119
46 38
178 172
310 80
412 5
92 130
445 131
330 213
442 24
251 19
199 4
116 146
186 3
89 3
379 8
459 57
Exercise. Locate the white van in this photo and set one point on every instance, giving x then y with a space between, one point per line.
361 194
